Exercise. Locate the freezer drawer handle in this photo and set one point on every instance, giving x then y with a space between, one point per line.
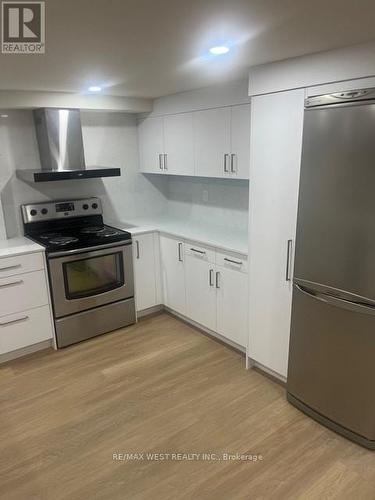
288 276
337 302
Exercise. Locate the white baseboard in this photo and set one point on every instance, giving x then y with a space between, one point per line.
150 310
206 330
24 351
254 364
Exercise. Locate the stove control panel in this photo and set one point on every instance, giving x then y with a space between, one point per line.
37 212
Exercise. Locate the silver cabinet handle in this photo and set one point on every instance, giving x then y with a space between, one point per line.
137 248
165 165
180 252
161 162
198 251
18 282
217 279
211 277
288 276
12 321
226 158
233 261
10 267
232 158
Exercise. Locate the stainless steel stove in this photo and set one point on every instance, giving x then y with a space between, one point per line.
90 267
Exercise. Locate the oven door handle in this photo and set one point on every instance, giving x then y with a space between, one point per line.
75 251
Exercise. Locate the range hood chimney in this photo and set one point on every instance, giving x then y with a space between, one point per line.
59 135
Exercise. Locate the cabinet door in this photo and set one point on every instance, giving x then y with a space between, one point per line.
212 142
240 142
173 273
276 140
151 145
179 144
200 291
144 271
232 305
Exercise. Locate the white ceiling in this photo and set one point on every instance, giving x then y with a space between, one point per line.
150 48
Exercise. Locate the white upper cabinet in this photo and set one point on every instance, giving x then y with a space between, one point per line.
212 142
209 143
276 142
151 145
178 144
240 142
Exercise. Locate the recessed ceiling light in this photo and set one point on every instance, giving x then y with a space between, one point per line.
95 88
4 116
219 50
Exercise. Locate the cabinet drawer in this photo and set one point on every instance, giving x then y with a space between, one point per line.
202 252
21 292
234 261
9 266
24 329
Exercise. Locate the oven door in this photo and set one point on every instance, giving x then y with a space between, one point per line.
90 279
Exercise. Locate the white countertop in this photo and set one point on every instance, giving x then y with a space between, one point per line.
222 237
18 246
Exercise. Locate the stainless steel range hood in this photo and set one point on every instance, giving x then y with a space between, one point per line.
59 135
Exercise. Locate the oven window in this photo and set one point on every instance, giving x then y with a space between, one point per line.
87 277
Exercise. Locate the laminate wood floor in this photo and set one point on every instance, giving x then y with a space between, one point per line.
163 387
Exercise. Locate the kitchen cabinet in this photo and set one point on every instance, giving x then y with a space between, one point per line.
151 145
232 301
25 314
173 273
208 143
212 142
276 141
200 285
145 271
240 142
178 144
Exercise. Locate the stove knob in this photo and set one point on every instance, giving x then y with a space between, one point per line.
33 212
44 211
85 206
94 206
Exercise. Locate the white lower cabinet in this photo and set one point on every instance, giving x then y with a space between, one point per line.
232 304
200 286
173 273
24 329
25 314
145 271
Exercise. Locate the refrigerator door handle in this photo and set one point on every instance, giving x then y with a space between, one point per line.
336 302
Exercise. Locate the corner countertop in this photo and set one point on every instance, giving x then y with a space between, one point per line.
222 237
18 246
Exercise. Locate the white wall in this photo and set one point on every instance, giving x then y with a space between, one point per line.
227 203
110 139
348 63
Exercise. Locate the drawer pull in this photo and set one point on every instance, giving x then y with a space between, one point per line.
18 282
10 267
12 321
233 261
198 251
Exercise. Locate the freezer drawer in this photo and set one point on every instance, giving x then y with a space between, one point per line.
331 363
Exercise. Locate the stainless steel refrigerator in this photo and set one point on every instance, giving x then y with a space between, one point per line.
331 374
